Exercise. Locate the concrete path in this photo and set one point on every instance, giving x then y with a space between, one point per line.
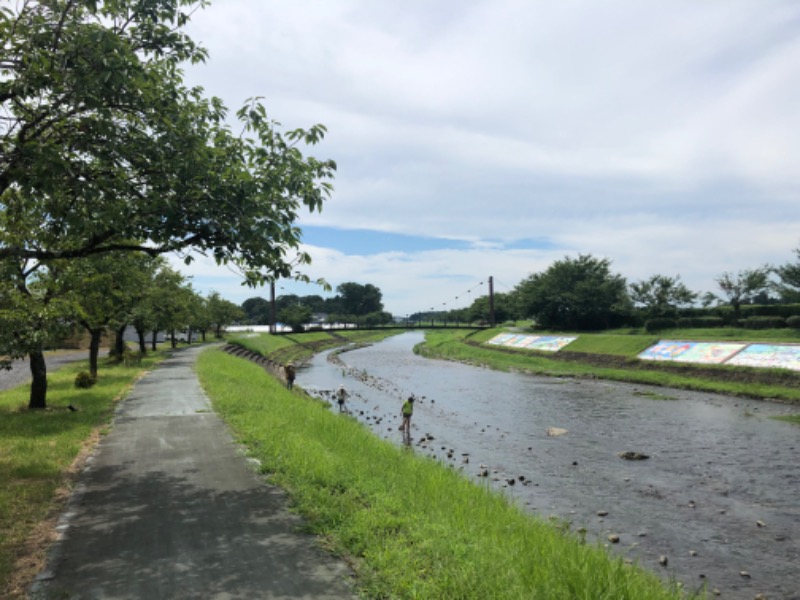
167 508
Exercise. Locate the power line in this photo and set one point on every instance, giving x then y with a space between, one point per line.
445 304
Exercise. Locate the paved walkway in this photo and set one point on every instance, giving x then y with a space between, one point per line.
167 508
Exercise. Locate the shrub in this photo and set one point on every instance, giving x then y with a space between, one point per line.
131 358
658 324
793 322
763 322
700 322
84 380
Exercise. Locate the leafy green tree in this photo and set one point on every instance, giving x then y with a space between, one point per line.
222 312
740 288
104 290
575 294
89 162
295 316
377 318
788 285
660 295
201 319
101 143
32 317
504 308
170 302
357 299
256 310
315 302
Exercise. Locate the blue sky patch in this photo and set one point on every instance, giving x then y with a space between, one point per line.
366 242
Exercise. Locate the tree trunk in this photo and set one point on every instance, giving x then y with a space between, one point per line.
142 341
189 333
155 340
38 397
173 341
203 333
94 350
119 341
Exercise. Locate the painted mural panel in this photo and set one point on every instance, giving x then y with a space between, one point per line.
694 352
500 339
550 343
547 343
768 355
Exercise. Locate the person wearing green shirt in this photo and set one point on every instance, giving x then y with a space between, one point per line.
408 410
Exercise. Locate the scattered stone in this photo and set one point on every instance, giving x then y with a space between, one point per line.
744 574
602 513
630 455
761 523
613 538
663 560
717 592
521 478
760 597
574 463
555 431
692 553
511 481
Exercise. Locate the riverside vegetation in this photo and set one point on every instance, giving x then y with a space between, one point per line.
411 527
613 356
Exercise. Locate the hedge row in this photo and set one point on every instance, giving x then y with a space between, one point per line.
751 322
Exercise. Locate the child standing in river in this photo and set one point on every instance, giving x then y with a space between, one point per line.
407 412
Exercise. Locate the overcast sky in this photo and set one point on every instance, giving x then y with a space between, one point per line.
477 137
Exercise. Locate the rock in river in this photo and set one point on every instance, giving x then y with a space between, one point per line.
630 455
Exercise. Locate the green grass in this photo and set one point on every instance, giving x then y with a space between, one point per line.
717 334
37 447
300 346
617 345
789 419
450 345
411 527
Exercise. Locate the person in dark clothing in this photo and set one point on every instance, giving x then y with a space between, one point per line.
289 373
341 396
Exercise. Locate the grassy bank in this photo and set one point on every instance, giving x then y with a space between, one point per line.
297 347
584 358
411 527
37 453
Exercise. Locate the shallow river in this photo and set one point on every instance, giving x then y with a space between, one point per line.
718 499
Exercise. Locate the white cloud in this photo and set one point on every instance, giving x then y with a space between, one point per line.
658 134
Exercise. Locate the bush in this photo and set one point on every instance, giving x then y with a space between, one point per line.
763 322
700 322
793 322
84 380
658 324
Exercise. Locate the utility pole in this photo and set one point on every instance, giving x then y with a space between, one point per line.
491 301
272 328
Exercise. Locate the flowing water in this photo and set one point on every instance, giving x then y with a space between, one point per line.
717 499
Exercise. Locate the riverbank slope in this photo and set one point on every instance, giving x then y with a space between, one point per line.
609 356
